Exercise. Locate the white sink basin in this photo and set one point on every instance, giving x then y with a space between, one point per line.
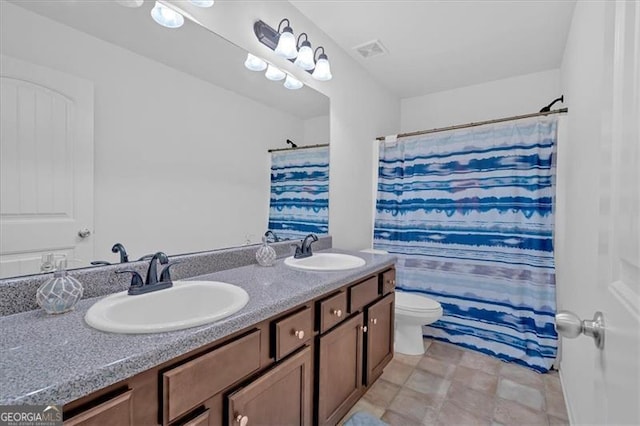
186 304
326 262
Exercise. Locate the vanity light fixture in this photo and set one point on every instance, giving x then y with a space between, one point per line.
286 46
254 63
274 73
292 83
305 54
322 72
202 3
166 17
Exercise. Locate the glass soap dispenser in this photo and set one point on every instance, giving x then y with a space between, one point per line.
61 293
266 255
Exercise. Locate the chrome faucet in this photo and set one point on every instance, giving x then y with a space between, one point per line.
304 250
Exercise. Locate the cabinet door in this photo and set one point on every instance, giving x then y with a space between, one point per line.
380 326
282 396
340 370
115 411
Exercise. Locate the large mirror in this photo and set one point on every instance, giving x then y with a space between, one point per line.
115 129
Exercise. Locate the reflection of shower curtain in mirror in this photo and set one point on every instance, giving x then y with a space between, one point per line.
299 192
470 215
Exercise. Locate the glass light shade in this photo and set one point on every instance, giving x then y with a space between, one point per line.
254 63
305 58
292 83
166 17
274 74
202 3
323 70
130 3
287 45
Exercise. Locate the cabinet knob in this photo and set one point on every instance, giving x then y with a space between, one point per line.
374 321
242 420
337 312
299 334
364 328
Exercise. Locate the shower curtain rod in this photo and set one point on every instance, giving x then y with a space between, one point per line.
320 145
478 123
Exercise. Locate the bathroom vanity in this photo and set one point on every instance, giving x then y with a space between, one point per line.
303 351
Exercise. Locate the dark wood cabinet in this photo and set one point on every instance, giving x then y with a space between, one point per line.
114 411
340 370
281 396
379 336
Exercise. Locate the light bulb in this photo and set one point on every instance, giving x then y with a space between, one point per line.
254 63
323 69
305 57
292 83
166 17
274 74
287 44
202 3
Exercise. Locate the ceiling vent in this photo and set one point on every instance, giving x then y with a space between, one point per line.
370 49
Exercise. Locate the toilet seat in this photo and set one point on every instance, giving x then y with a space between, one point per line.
413 302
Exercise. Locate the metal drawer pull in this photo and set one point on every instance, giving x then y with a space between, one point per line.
337 312
242 420
299 334
374 321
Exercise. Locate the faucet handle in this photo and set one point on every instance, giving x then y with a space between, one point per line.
136 278
165 275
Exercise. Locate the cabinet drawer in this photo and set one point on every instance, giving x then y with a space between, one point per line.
332 311
115 411
199 420
362 294
189 384
291 332
388 281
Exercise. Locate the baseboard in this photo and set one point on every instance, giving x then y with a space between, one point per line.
572 420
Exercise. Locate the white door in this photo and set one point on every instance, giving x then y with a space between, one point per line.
617 384
46 167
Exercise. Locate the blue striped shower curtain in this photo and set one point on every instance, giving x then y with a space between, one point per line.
470 215
299 202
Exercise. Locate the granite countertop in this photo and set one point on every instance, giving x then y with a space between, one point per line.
48 359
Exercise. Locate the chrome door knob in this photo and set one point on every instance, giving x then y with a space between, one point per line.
570 325
84 233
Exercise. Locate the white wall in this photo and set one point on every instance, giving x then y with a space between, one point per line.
577 239
316 130
180 164
361 109
502 98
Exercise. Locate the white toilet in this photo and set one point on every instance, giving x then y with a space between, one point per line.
412 312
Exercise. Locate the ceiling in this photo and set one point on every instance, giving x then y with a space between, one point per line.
439 45
191 49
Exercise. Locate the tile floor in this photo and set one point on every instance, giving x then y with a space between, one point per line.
454 386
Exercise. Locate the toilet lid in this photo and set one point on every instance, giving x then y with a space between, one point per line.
416 302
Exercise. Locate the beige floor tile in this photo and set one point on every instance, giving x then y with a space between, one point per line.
552 382
365 406
413 405
511 413
411 360
397 372
478 403
451 414
522 375
445 352
437 367
428 383
554 421
382 393
525 395
482 362
396 419
476 380
556 405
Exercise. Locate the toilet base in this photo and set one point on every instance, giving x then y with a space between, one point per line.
408 339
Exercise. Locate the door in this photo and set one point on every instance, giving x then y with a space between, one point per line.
617 382
46 155
340 370
379 337
281 396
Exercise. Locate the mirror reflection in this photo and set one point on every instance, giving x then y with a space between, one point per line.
118 130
